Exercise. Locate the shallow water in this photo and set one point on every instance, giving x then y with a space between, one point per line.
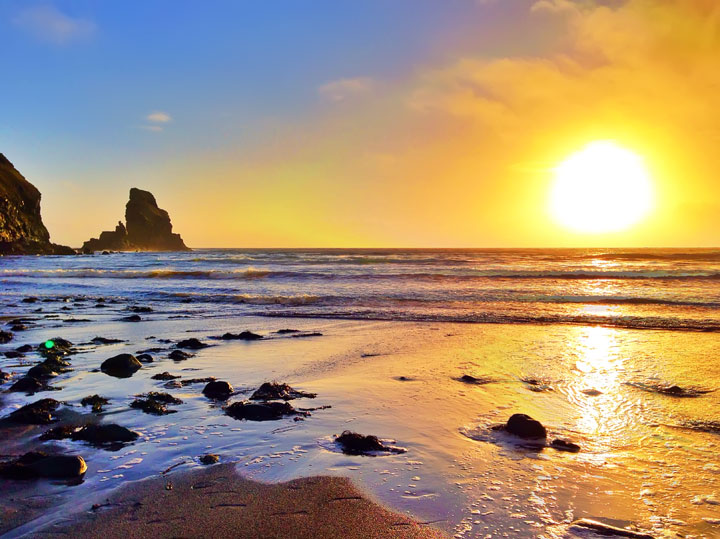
647 458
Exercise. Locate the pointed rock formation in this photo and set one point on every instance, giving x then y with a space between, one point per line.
21 228
147 228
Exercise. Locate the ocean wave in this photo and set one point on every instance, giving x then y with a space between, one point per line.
649 323
450 274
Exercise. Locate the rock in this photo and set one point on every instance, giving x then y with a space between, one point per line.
468 379
286 331
209 459
58 433
38 464
155 403
164 376
591 392
24 349
5 336
275 391
131 318
192 344
179 355
140 309
13 354
606 529
21 228
145 358
218 390
147 228
105 434
48 368
311 334
5 376
353 443
267 411
18 327
57 347
121 366
206 380
565 445
96 401
36 413
30 299
105 340
524 426
27 384
243 336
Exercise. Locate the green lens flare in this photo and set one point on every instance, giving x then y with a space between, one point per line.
49 344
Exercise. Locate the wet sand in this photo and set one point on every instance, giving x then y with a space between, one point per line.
217 502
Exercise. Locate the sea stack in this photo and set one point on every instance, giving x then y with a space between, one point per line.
146 228
21 228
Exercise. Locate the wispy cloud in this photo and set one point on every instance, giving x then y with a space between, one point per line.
47 23
343 89
156 121
159 117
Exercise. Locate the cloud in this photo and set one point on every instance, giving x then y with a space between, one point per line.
47 23
343 89
490 130
554 6
159 117
156 121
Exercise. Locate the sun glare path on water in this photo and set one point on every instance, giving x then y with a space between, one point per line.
601 188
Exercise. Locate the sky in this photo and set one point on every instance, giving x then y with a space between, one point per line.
338 123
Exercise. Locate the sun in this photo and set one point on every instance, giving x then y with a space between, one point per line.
601 188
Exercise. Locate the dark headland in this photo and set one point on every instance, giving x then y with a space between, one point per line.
147 228
22 232
21 228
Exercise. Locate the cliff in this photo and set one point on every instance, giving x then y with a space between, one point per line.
147 228
21 228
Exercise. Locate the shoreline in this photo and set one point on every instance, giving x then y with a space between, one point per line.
218 502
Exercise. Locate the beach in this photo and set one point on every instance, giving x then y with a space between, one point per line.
432 387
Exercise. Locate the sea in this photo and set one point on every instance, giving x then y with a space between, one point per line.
615 350
673 289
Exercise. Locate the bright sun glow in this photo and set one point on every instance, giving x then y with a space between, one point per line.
601 188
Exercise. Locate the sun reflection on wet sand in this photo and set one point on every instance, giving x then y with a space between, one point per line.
596 388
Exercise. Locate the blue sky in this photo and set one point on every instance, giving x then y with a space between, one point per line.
355 123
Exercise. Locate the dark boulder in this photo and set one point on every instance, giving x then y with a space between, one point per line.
524 426
179 355
155 403
49 368
27 384
145 358
96 401
121 366
243 336
21 228
131 318
38 464
24 349
105 340
164 376
13 354
140 309
105 434
286 331
5 336
209 459
192 344
219 390
57 347
35 413
267 411
275 391
309 334
353 443
565 445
